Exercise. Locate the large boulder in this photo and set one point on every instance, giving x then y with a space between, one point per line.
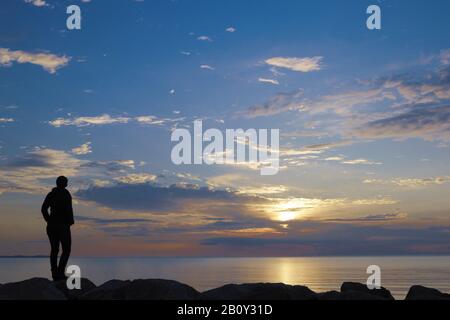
110 290
74 294
259 291
359 291
31 289
350 295
151 289
423 293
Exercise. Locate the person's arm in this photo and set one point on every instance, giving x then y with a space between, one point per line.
71 210
45 207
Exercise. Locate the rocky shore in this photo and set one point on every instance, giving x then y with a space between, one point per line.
159 289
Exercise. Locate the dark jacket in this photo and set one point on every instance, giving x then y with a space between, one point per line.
59 201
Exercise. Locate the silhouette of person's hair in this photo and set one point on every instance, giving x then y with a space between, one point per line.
62 182
59 220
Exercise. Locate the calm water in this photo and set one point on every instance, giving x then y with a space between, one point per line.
319 274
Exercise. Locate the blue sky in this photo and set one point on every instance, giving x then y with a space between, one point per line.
363 118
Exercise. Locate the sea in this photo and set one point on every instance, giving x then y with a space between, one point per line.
398 273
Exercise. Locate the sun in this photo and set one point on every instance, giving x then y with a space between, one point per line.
289 209
286 216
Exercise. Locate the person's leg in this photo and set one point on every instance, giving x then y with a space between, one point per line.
54 244
66 244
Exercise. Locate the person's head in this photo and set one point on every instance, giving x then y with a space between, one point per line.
61 182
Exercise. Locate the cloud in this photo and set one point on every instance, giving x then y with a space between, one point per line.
83 149
151 197
152 120
360 161
37 3
106 119
87 121
204 38
272 81
335 158
50 62
304 133
410 182
137 178
110 166
307 64
329 145
205 66
445 57
373 218
282 102
31 172
6 120
429 123
35 171
398 106
230 29
341 239
11 107
103 221
341 104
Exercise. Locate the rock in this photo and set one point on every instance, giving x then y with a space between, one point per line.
259 291
74 294
151 289
423 293
359 291
31 289
329 295
110 290
350 295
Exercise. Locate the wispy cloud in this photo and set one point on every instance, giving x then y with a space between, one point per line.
106 119
307 64
83 149
360 161
87 121
266 80
204 38
151 120
398 106
410 182
373 217
429 123
26 173
35 171
50 62
37 3
230 29
137 178
5 120
206 66
103 221
280 103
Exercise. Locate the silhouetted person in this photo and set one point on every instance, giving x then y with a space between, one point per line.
59 221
